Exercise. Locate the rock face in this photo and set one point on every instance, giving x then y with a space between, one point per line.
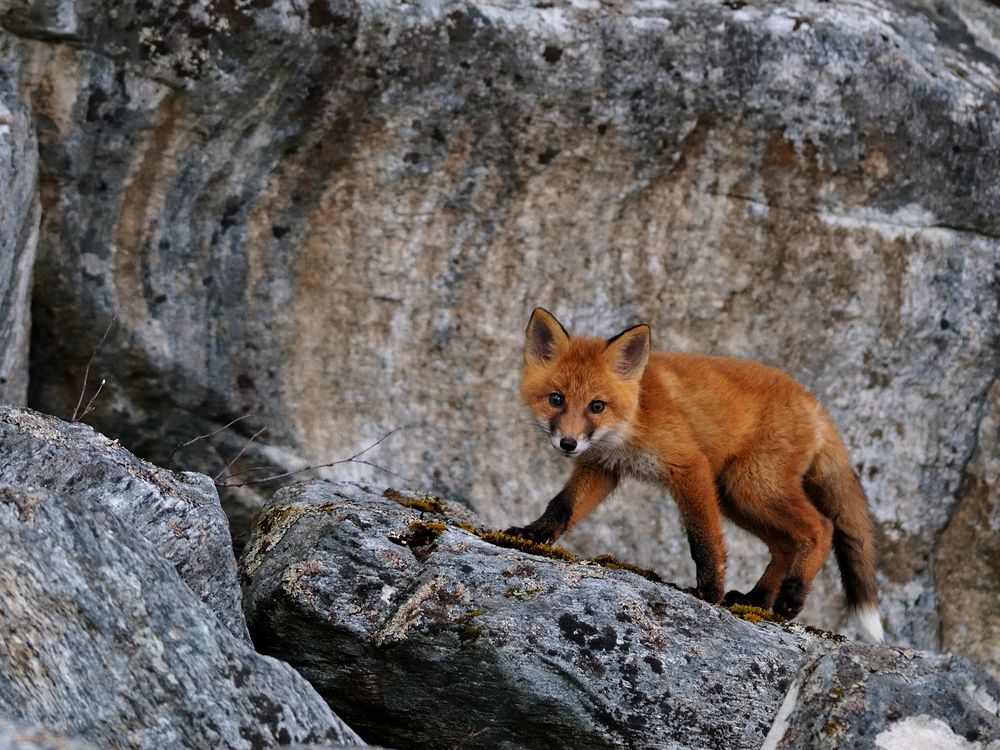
18 240
969 551
20 738
425 635
179 513
101 640
343 212
906 700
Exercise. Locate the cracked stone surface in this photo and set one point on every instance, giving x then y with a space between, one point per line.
19 215
876 697
178 512
13 737
424 635
102 641
343 213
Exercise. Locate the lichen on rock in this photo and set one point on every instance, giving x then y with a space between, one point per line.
494 645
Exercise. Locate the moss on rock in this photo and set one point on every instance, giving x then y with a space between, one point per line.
754 614
425 504
501 539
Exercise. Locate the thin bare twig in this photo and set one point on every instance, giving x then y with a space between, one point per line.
90 404
307 468
209 434
77 416
356 458
243 450
248 470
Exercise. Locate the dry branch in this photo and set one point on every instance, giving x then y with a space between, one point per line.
77 414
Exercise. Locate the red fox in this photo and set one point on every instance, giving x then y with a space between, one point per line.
722 436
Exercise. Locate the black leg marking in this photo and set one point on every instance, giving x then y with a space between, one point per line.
753 598
791 598
750 599
707 570
552 523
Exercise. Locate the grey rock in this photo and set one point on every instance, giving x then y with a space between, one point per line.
178 512
968 553
19 216
101 640
13 737
863 697
344 213
43 19
424 636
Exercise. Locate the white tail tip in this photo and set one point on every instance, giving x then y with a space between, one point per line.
869 624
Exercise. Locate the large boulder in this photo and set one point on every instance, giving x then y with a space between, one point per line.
178 512
423 633
343 213
888 699
19 213
101 640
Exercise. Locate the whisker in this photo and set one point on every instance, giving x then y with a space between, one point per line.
537 426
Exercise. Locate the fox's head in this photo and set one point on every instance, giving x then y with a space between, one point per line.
582 391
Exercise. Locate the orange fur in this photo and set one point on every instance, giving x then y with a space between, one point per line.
723 436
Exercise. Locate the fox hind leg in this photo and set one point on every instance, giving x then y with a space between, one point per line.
745 503
765 591
797 534
811 535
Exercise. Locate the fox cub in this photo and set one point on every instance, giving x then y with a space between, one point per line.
723 436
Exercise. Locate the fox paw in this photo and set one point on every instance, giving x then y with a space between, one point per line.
532 533
791 598
710 594
749 599
735 597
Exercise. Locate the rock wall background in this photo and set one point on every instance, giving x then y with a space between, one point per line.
340 214
19 213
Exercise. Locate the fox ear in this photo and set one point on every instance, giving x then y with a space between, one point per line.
628 352
544 339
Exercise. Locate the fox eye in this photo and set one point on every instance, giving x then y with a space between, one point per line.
597 406
556 399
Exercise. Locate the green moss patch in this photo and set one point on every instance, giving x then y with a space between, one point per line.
500 539
613 563
754 614
470 631
424 533
428 504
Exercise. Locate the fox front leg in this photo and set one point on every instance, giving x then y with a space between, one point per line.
551 525
693 488
584 491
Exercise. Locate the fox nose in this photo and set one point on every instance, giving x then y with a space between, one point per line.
567 444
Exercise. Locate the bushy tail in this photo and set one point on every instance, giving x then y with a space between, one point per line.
834 487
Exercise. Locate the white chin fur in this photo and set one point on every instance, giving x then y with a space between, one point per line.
869 624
